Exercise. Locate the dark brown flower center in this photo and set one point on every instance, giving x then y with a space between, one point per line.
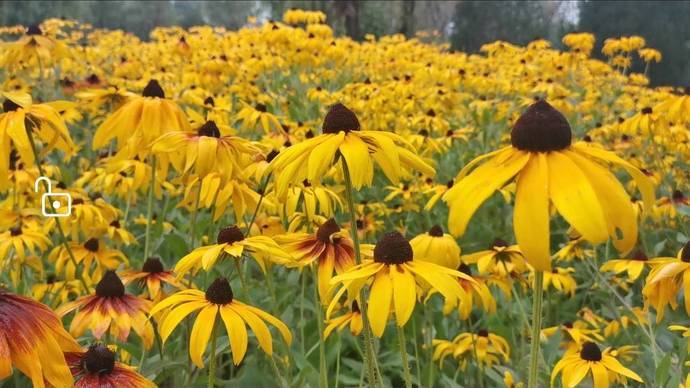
153 265
115 224
229 235
340 118
271 155
210 101
685 253
34 29
355 307
16 231
98 360
153 89
325 231
590 352
209 129
541 128
219 292
260 107
464 268
9 106
93 79
91 244
483 333
499 242
568 325
646 110
677 196
436 231
393 248
110 286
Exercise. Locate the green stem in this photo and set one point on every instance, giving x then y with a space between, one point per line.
416 348
536 329
212 362
323 372
262 189
403 356
149 209
370 361
80 275
301 310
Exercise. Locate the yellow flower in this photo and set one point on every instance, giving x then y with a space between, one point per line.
578 362
140 121
353 318
21 119
561 279
342 137
436 247
395 277
665 280
233 243
110 308
96 367
502 259
34 48
551 170
218 300
633 266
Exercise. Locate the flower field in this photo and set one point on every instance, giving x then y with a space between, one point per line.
278 206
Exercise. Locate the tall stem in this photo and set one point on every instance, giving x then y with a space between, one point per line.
403 356
212 362
368 337
29 133
323 369
149 209
536 329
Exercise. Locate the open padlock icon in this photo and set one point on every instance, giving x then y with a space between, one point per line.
54 204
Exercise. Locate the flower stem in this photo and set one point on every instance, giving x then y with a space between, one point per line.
80 275
368 340
323 369
536 329
403 356
212 362
149 208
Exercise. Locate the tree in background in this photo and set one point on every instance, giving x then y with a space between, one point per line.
665 25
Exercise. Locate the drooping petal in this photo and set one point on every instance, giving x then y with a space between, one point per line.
531 214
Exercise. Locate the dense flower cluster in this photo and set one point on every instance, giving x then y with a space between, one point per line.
222 174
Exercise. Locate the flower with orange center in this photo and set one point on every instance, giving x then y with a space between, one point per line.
97 368
152 275
110 308
33 340
330 248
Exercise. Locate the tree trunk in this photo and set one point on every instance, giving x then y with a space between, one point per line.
349 11
407 26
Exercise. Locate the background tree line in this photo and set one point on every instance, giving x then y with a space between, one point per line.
465 24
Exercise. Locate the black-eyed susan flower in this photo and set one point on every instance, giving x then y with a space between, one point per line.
110 309
561 279
360 149
395 277
577 363
502 258
140 121
153 275
329 247
353 318
231 242
250 116
96 368
633 266
667 277
205 150
436 247
95 256
33 48
22 242
477 294
488 348
576 248
32 340
578 332
218 300
23 118
551 170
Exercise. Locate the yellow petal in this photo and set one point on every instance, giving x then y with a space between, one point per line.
380 302
531 214
237 333
575 199
404 293
201 333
